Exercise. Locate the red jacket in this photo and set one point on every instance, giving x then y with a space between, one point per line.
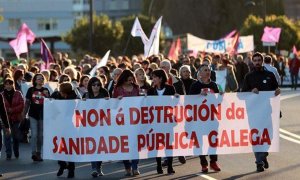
17 106
294 65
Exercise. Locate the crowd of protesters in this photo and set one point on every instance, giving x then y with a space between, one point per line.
123 77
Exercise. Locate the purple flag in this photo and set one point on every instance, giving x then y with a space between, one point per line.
46 55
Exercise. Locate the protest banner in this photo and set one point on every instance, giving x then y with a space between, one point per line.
246 44
145 127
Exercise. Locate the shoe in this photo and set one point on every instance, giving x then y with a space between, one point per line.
60 171
214 166
159 170
128 172
39 158
71 174
34 157
100 173
95 174
135 172
8 157
165 163
170 170
259 168
182 159
16 154
204 168
266 163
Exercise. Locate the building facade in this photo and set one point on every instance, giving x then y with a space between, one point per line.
51 19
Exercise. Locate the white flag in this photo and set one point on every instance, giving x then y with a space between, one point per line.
103 62
152 46
137 31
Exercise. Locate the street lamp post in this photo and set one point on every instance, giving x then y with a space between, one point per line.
91 27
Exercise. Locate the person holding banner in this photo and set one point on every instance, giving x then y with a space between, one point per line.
161 88
65 92
260 80
142 81
34 107
204 86
4 121
186 78
126 87
14 104
179 88
96 91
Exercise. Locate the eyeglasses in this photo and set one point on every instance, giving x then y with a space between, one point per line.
40 79
98 85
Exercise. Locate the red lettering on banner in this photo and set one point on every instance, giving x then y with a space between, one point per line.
256 141
63 147
210 139
215 112
168 114
144 114
160 141
134 119
232 113
89 141
158 109
124 144
74 146
246 137
233 140
92 118
102 146
54 150
186 109
178 114
89 145
224 139
265 137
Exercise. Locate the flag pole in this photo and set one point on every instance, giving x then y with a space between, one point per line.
125 49
28 46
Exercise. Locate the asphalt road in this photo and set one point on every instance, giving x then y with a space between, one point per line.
283 165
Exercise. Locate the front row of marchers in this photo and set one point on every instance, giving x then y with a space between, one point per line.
162 85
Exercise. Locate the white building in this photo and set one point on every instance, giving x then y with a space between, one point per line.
51 19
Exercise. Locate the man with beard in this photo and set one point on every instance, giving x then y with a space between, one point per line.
257 80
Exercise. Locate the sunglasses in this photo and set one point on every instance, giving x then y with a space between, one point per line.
40 79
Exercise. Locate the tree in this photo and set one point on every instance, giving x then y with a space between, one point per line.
208 19
106 35
255 25
133 45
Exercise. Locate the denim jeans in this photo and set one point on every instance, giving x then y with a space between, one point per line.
294 79
15 136
96 165
260 156
36 127
133 164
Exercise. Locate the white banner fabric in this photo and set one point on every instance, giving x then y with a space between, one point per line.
145 127
246 44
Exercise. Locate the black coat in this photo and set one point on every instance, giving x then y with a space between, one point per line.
169 91
3 113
